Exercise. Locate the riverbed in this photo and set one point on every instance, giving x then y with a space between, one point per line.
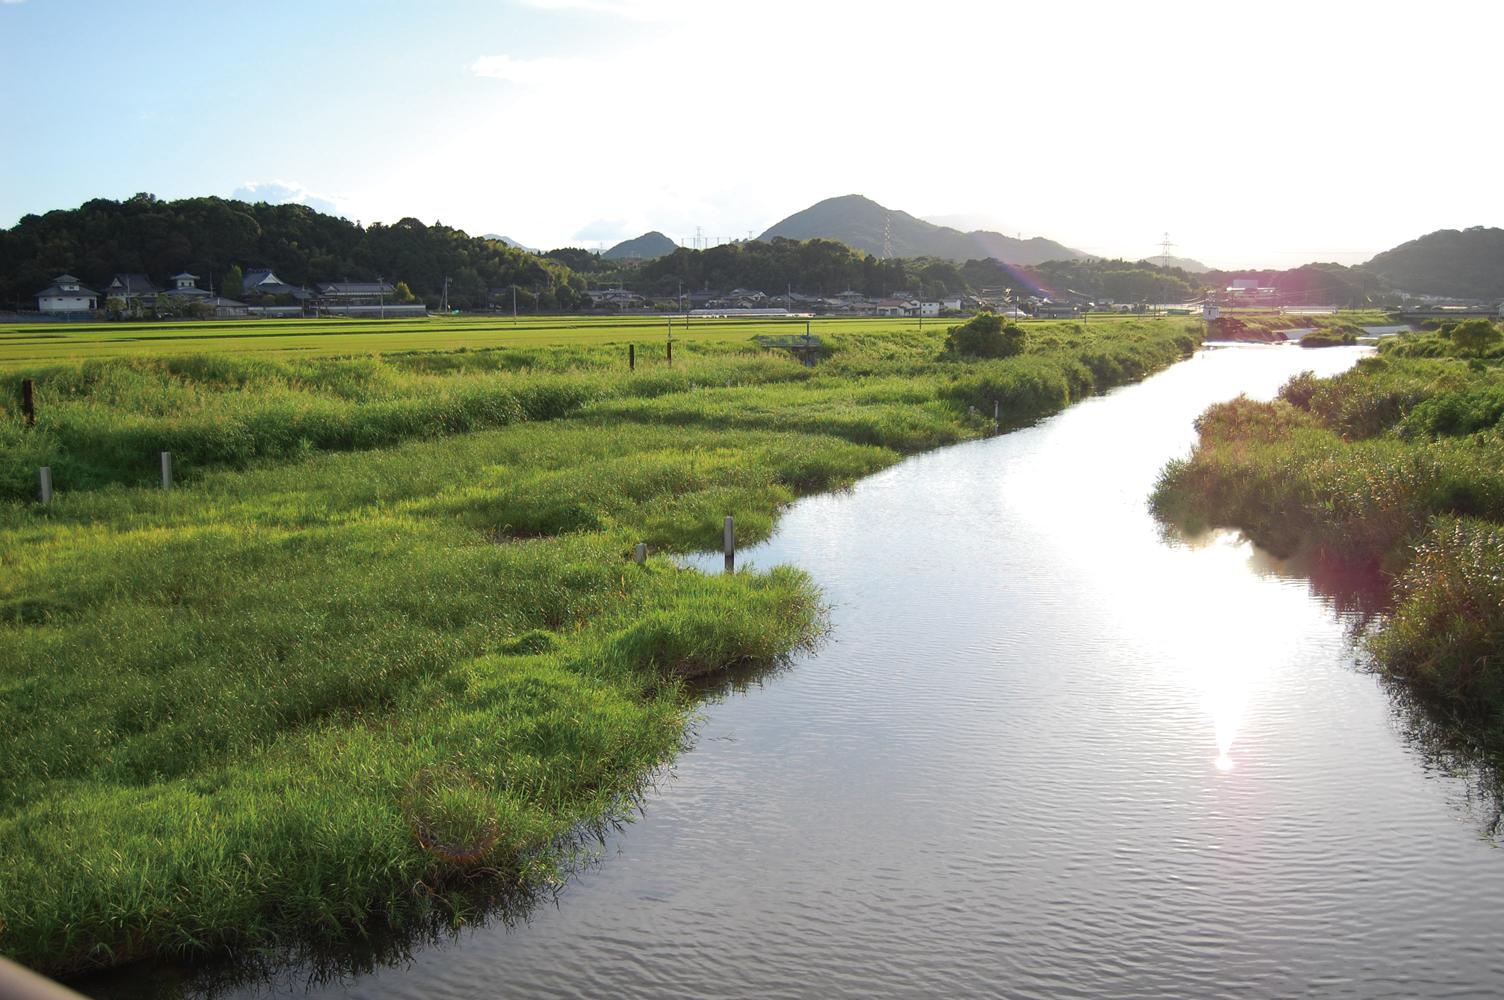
1045 752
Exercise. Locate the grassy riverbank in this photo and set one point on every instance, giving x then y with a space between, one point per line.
1398 464
383 640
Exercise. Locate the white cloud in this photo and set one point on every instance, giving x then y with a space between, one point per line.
547 71
283 193
636 10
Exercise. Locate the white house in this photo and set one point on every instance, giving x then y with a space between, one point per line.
67 295
929 309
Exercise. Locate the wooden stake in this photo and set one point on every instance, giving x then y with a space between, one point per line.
28 402
728 539
45 477
632 357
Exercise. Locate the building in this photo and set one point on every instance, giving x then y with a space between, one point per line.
67 295
355 293
185 288
262 281
132 289
929 308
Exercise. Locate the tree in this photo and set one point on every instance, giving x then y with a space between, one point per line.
985 336
234 283
1476 336
402 293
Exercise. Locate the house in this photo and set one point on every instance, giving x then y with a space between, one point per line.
263 281
929 309
953 303
1210 311
67 295
355 293
614 297
131 289
185 288
227 308
895 307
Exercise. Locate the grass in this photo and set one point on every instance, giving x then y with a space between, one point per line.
384 639
1397 464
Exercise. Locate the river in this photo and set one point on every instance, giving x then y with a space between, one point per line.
1044 753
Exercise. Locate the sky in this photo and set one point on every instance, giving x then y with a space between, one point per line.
1254 135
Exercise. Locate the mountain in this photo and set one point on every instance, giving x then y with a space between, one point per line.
865 225
648 246
1465 264
509 242
1186 264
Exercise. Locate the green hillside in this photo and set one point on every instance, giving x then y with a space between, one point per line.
863 224
1467 264
648 246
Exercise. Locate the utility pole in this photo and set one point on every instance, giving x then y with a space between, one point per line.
381 294
514 303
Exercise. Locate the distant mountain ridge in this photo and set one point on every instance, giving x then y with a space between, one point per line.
863 224
1466 264
509 242
648 246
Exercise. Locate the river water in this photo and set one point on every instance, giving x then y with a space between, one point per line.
1045 753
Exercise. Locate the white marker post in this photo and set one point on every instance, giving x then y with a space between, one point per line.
640 553
166 470
45 476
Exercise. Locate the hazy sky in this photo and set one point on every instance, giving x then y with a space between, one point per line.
1264 134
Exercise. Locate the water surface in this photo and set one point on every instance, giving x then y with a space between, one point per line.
1045 754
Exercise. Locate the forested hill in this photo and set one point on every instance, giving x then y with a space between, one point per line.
865 225
207 235
648 246
1467 264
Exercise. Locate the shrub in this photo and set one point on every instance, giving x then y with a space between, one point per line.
985 336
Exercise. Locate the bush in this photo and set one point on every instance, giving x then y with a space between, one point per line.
985 336
1476 336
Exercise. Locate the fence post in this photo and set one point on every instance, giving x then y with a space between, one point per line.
997 416
728 539
671 353
45 478
166 470
28 402
640 553
632 357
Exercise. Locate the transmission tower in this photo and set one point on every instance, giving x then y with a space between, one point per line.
888 237
1164 251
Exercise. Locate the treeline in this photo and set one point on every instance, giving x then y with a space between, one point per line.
826 267
208 236
1467 263
1318 284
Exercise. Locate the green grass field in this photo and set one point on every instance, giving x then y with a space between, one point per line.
30 344
383 643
